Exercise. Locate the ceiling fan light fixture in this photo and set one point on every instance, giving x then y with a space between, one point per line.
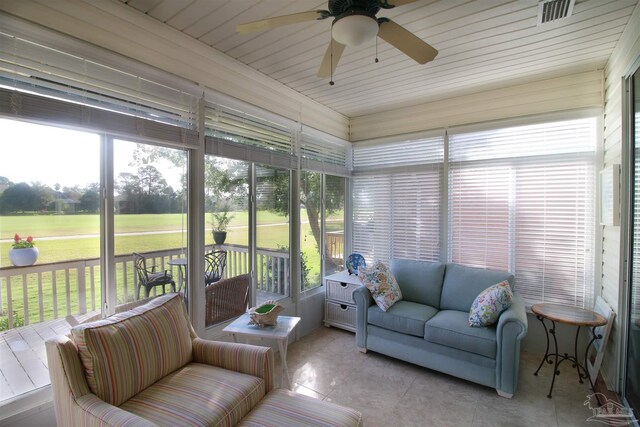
353 30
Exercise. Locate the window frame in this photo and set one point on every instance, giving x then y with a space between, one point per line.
445 219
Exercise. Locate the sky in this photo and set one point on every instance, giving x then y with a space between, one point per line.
36 153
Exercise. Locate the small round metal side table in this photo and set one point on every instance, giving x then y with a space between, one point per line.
569 315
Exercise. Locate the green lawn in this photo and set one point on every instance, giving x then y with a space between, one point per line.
273 232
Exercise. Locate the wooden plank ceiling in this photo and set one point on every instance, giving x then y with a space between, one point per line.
482 44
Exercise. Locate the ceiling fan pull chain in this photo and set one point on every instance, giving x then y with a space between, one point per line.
376 50
331 83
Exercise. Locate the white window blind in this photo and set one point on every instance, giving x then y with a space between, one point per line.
32 67
400 154
239 135
322 153
52 86
523 199
397 190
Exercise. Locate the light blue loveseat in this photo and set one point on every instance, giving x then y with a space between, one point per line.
429 326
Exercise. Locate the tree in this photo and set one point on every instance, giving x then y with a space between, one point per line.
147 192
225 184
90 199
21 197
310 199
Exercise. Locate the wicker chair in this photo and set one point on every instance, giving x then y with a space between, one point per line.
226 299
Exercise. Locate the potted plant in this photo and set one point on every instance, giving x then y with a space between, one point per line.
23 251
220 222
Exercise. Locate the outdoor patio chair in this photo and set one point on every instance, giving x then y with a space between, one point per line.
215 262
226 299
149 278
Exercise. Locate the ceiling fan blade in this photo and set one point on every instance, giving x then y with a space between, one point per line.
404 40
267 24
388 4
328 65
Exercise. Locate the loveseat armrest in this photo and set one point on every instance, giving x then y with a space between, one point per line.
245 358
512 328
92 411
363 300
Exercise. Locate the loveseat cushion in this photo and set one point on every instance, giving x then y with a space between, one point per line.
420 281
451 328
404 316
198 395
462 285
127 352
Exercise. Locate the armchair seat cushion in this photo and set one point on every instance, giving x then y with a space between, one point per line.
404 316
285 408
126 353
198 394
451 328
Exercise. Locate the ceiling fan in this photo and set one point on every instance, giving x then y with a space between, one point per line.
354 22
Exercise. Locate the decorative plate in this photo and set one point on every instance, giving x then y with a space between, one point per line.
354 261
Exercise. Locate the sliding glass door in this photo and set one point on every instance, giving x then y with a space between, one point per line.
150 217
273 266
631 388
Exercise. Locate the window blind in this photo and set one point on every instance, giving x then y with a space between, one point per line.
322 153
397 189
49 85
389 155
523 199
239 135
33 67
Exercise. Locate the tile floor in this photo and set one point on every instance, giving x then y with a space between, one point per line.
327 365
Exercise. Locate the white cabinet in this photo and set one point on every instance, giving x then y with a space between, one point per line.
340 308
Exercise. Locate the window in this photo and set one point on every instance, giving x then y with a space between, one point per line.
55 199
150 214
310 228
518 198
321 208
324 162
523 199
334 224
226 237
397 191
273 266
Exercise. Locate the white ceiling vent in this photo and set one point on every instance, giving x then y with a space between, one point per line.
552 10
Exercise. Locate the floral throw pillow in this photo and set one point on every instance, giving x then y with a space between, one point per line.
489 304
382 284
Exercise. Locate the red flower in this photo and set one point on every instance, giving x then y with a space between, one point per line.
16 238
29 239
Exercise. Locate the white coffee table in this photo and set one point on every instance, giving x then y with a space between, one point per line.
279 333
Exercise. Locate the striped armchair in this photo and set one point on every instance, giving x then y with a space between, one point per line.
147 367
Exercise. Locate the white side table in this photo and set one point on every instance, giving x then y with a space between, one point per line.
279 333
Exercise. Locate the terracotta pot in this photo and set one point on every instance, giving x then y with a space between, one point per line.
24 256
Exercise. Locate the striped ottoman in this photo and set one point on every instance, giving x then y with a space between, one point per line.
284 408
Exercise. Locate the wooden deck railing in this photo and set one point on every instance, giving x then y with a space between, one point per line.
50 291
334 240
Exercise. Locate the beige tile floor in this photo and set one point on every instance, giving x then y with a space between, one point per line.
326 364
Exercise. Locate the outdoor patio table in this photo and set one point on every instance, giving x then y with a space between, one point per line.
181 263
